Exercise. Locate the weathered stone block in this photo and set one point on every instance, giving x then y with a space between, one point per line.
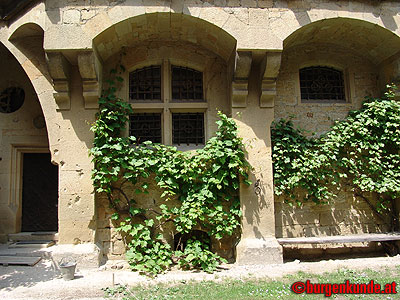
76 231
71 16
259 252
85 255
76 206
75 182
118 247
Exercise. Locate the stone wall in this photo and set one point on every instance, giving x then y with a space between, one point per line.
346 214
255 24
79 37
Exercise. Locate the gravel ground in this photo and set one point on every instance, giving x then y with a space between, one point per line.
43 281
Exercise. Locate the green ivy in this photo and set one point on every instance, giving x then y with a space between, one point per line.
197 255
361 152
205 183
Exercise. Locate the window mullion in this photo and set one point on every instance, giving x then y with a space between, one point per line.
166 94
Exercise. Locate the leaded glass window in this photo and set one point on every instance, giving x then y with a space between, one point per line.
187 84
322 83
145 84
188 128
169 105
146 127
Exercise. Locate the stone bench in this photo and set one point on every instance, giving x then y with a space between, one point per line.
384 238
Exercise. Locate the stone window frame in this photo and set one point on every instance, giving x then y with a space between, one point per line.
348 79
167 106
16 170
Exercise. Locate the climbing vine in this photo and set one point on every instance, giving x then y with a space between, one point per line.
361 152
200 190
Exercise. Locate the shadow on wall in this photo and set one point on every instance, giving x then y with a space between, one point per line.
255 124
345 215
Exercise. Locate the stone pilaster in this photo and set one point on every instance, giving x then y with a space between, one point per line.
258 244
75 89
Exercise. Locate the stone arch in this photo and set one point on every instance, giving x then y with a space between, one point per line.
26 30
26 44
376 45
359 36
183 40
366 53
163 27
23 132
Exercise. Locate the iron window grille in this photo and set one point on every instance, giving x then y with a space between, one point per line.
188 128
145 127
11 99
322 83
145 84
186 84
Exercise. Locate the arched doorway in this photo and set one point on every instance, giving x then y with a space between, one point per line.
29 180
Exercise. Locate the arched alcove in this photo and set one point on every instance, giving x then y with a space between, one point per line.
162 45
361 52
164 27
369 40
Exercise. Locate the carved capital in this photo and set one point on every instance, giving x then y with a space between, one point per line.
272 64
59 69
89 68
241 78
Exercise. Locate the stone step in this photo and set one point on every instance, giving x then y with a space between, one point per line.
32 244
27 252
19 260
86 255
33 236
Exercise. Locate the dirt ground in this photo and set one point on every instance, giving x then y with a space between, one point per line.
44 281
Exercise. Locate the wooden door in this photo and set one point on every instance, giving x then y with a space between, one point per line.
39 193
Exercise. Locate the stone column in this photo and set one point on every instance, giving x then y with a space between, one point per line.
258 244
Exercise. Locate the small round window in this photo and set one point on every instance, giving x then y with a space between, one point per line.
11 99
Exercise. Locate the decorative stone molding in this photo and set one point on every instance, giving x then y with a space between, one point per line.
59 69
272 64
89 68
241 78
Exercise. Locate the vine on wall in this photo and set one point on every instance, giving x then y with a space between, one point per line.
361 152
205 183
